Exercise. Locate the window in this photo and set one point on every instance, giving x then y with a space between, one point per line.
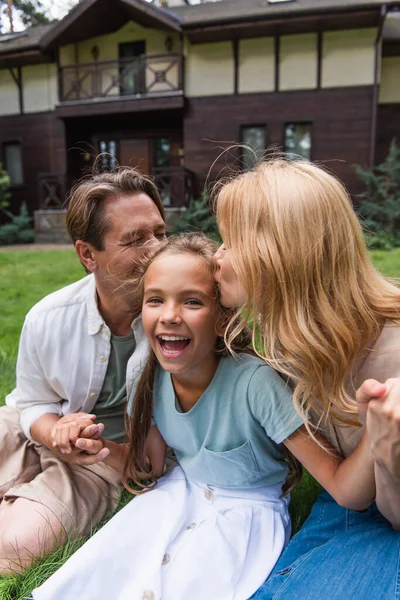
163 152
298 140
12 157
108 155
254 140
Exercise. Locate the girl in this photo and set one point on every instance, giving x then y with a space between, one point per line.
294 258
215 525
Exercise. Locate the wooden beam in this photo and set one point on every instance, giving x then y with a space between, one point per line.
18 80
235 45
277 51
319 59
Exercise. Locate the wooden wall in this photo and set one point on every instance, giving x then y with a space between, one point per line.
43 151
340 117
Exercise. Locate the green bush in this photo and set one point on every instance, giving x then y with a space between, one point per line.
197 217
19 228
379 206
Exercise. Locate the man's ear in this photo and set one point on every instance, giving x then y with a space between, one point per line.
86 255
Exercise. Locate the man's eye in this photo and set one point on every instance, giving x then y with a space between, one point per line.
160 236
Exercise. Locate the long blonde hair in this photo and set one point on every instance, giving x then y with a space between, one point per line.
313 294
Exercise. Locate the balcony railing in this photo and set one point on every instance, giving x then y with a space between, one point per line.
143 76
176 185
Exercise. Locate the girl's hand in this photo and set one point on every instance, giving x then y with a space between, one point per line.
369 390
67 430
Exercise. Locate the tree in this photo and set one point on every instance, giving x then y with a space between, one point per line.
379 206
29 12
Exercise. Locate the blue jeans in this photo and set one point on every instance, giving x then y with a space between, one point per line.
338 554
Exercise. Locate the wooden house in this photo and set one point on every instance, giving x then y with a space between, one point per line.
169 88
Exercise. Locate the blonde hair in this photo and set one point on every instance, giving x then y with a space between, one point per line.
313 294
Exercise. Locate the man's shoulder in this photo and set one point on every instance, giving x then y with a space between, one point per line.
69 296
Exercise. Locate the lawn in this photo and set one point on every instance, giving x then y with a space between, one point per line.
25 278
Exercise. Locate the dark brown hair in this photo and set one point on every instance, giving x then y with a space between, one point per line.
85 214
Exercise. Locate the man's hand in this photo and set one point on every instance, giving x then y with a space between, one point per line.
68 429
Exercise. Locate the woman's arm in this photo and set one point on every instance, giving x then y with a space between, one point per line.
350 481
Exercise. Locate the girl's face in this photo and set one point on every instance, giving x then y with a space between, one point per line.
231 289
180 314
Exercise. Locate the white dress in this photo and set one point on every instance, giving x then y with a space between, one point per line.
182 540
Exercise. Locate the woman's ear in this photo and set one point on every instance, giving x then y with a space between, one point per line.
86 255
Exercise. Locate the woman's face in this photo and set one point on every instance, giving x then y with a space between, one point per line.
231 289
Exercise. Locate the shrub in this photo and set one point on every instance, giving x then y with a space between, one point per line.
197 217
379 206
18 230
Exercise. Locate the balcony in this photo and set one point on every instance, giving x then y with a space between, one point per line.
176 185
152 77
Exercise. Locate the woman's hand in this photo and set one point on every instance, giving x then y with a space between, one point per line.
383 427
369 390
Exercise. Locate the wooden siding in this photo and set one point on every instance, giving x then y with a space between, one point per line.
341 127
42 140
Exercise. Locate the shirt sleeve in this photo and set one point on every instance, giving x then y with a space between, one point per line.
33 395
271 403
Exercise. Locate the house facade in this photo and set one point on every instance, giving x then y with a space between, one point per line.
176 90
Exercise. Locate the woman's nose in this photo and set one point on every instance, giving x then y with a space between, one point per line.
219 252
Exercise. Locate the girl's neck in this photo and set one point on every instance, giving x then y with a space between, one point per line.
189 387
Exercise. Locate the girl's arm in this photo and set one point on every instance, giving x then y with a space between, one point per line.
156 450
351 481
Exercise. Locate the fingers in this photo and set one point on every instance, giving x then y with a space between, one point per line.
94 431
92 451
370 389
67 431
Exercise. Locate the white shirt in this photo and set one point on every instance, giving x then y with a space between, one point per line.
63 355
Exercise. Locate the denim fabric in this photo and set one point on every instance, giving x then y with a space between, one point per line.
338 554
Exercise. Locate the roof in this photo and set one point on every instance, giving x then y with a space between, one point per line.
23 40
90 18
85 17
227 11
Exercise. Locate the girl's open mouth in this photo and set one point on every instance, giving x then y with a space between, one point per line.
172 346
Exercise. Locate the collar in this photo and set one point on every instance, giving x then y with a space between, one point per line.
95 320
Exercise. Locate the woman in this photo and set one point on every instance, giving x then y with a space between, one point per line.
294 260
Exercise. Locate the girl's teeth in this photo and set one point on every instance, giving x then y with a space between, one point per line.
172 338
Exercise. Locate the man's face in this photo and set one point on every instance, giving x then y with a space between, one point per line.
136 229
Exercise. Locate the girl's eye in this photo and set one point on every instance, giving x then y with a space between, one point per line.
154 301
193 302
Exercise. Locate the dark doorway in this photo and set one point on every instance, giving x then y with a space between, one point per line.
132 68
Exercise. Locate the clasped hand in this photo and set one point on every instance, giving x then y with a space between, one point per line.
78 440
379 411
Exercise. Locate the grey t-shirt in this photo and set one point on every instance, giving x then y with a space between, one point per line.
231 437
111 404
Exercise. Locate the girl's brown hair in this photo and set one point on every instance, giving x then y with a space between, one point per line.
312 290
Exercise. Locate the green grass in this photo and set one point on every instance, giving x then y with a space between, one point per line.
25 278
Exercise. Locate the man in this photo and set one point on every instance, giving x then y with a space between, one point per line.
79 351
